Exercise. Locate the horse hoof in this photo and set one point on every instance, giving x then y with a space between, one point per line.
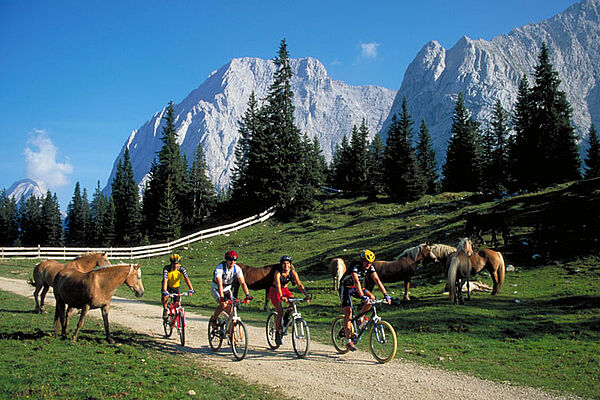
111 341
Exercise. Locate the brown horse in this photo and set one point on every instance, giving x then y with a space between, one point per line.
403 268
441 253
257 279
493 262
337 267
45 272
89 290
476 224
459 270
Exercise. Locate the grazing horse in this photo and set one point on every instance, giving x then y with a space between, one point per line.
459 270
45 272
257 279
476 224
403 268
337 267
493 262
89 290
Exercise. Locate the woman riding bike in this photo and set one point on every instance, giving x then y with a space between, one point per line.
279 292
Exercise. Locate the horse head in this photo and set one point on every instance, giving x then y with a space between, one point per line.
427 252
134 280
465 246
102 259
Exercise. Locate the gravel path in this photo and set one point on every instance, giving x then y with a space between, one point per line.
325 374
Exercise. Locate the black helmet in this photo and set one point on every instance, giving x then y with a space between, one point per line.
285 258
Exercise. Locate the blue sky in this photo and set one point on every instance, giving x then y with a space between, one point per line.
76 77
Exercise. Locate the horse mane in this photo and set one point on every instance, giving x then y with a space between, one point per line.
86 254
442 250
412 252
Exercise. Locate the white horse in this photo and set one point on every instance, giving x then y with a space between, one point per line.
337 267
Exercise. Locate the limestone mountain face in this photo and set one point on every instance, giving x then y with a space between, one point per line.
487 71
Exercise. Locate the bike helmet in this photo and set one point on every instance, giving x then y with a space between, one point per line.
367 255
231 255
175 257
285 258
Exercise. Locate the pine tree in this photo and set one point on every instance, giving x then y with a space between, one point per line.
51 221
108 231
127 206
76 220
553 120
312 173
9 220
426 159
340 166
592 160
359 159
99 210
462 168
525 151
202 198
248 128
404 179
168 223
376 169
500 164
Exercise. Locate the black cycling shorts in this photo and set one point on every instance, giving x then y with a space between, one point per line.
346 294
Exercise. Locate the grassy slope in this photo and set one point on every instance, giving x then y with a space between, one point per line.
548 339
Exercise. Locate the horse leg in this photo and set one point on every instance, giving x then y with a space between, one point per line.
84 312
35 296
460 284
43 298
70 311
105 310
59 313
406 287
266 299
494 275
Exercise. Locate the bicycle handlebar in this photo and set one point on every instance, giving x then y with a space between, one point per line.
178 295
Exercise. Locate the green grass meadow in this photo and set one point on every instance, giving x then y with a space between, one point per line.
541 330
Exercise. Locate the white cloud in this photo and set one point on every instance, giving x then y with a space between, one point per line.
369 50
40 156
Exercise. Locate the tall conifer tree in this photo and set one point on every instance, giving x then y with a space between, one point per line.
202 200
9 220
75 221
426 159
127 205
592 161
51 221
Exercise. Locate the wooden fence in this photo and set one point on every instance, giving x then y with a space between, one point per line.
67 253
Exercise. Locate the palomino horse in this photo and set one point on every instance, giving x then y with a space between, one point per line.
337 267
493 262
441 253
459 270
476 224
257 279
45 272
89 290
403 268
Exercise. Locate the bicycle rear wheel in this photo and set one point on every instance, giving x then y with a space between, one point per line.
239 340
300 337
383 341
215 339
181 327
168 328
271 330
338 337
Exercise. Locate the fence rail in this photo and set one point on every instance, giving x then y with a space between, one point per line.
132 253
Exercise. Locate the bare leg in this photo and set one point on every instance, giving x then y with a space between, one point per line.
84 312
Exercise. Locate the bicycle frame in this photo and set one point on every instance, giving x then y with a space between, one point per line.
372 321
295 313
231 318
175 307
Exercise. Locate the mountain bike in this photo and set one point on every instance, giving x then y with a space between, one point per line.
232 328
176 317
382 337
300 332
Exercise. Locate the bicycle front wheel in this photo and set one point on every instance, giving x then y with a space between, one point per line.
383 341
239 340
300 337
215 338
338 337
168 328
181 327
272 330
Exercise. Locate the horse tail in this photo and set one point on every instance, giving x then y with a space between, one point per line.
452 271
501 271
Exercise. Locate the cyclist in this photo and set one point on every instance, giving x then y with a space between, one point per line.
220 287
351 285
279 292
172 275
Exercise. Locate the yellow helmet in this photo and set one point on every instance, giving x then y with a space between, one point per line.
175 257
367 255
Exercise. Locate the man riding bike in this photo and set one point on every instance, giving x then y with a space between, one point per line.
351 285
172 275
220 288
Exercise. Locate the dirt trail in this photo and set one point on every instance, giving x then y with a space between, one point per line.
323 375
